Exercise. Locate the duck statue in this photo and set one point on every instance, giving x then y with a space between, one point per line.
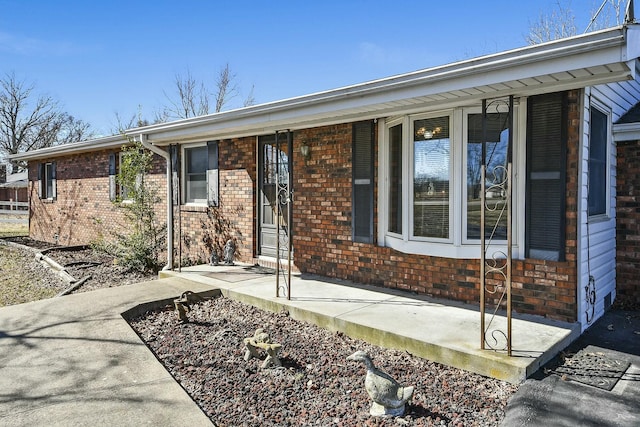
388 396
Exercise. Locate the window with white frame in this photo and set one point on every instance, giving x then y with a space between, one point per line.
598 182
47 180
496 129
432 165
431 177
195 160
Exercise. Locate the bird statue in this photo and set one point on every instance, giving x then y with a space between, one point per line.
388 396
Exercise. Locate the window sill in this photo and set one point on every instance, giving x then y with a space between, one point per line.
449 250
194 207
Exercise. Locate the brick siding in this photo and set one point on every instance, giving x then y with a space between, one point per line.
628 222
324 246
236 213
82 212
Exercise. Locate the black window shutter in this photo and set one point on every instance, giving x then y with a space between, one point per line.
546 176
362 151
212 173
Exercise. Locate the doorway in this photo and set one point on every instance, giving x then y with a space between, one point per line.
274 195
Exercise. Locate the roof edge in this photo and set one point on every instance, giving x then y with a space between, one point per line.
104 143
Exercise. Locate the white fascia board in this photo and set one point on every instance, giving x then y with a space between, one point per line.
580 52
626 132
106 143
633 42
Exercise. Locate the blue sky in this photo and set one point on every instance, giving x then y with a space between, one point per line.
102 57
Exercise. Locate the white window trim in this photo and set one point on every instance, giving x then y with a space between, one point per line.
47 174
457 246
515 166
409 179
183 173
604 109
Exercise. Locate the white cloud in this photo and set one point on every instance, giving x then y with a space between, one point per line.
30 46
373 54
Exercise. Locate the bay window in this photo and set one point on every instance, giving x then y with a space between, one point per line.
432 163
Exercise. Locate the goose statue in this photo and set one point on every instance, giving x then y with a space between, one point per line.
389 397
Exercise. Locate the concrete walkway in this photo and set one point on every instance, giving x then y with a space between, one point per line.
75 361
553 398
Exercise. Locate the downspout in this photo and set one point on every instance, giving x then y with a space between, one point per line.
167 157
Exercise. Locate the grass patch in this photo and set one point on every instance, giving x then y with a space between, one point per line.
13 229
24 280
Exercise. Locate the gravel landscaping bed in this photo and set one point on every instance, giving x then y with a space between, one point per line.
316 384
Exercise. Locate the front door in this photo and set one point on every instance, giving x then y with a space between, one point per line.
274 170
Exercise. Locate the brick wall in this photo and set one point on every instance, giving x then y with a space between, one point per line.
628 223
323 243
82 212
234 217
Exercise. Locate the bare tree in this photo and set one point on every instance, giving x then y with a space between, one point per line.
226 87
250 99
28 122
73 130
561 22
134 121
191 98
608 14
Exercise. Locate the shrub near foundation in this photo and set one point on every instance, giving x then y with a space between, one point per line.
139 248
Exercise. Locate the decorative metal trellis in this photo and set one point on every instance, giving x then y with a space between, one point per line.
495 228
284 214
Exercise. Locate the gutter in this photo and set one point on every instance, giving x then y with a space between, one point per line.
167 157
626 132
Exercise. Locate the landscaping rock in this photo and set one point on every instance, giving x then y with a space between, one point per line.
315 385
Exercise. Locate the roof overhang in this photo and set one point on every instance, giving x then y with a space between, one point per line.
21 183
106 143
587 60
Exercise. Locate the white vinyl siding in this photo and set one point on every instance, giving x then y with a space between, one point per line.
597 235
